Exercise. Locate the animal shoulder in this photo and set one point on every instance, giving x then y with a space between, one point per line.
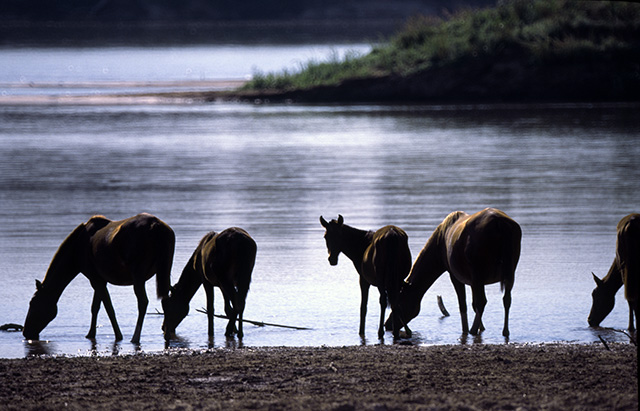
97 222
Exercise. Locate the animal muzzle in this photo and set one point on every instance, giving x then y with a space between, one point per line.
333 260
30 335
169 335
168 331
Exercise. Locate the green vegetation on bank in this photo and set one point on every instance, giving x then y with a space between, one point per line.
529 34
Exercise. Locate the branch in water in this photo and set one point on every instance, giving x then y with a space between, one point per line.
258 323
441 305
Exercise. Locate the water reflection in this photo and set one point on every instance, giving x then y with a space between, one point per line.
177 342
38 347
466 338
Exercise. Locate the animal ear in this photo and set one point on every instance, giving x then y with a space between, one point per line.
38 285
340 219
324 222
598 281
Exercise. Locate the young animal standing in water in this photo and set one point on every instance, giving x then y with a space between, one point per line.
382 258
478 249
625 270
224 260
125 252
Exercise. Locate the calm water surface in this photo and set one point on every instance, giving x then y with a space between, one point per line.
567 174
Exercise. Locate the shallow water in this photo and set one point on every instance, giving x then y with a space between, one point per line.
566 173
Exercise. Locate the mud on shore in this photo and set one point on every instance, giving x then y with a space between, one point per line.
508 377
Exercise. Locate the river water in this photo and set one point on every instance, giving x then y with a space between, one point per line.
566 173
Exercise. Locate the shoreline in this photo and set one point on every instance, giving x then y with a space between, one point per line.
540 376
229 91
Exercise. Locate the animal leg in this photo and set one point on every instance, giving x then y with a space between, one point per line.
479 302
143 303
364 298
95 308
101 295
239 304
108 307
208 289
383 308
231 315
462 303
506 300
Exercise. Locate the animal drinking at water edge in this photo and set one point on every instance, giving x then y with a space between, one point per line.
125 252
382 259
224 260
478 249
625 270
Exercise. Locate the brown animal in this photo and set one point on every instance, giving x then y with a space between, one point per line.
224 260
125 252
478 249
625 270
382 259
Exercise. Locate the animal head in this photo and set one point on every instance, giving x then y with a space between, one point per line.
332 237
174 313
603 303
42 310
409 302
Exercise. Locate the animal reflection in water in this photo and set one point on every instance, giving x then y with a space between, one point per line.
125 252
625 270
478 249
382 259
224 260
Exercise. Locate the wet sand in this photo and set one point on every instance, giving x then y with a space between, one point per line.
509 377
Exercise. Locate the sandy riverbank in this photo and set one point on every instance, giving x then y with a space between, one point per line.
549 376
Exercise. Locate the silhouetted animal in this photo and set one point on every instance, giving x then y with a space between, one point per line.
382 258
224 260
625 269
478 249
126 252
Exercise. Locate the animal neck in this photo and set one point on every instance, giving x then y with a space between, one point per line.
188 283
63 269
355 242
428 267
613 280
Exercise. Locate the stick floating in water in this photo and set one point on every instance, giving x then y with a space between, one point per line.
441 305
258 323
10 327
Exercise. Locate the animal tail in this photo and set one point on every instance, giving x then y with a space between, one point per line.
510 252
629 258
165 240
398 265
246 261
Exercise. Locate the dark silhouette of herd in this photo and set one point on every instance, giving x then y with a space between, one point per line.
477 249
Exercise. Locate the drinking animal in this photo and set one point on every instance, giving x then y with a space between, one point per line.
478 249
224 260
625 270
125 252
